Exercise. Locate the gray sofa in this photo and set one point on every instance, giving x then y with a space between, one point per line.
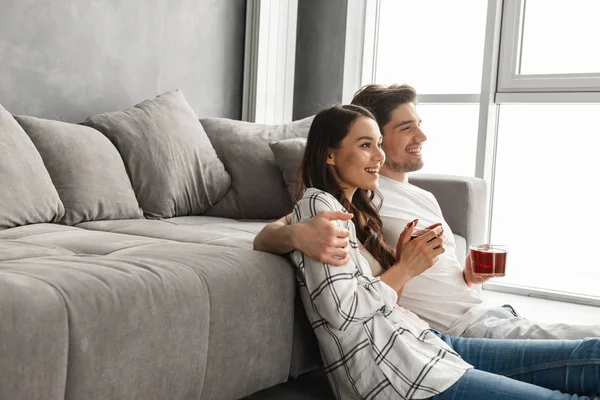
125 276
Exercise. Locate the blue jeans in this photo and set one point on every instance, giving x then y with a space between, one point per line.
511 369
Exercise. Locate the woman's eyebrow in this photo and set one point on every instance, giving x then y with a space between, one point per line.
364 138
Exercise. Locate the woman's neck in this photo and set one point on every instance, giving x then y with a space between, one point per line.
349 194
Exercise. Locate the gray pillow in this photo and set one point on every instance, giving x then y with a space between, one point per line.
257 188
288 156
86 169
172 165
27 195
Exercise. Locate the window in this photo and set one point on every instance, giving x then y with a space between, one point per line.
508 92
432 45
559 39
550 46
545 199
546 152
454 127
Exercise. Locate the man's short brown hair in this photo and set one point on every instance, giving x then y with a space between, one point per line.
382 100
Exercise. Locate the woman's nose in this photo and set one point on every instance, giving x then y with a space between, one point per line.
379 154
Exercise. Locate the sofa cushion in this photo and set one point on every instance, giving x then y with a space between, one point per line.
288 156
172 165
199 229
69 240
223 232
137 326
27 195
86 169
194 321
34 337
257 189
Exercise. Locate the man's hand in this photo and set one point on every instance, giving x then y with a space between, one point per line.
471 279
321 240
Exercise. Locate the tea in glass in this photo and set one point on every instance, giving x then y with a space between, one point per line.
488 259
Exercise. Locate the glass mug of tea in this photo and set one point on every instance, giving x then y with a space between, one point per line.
488 260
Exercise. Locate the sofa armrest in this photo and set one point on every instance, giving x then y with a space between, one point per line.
463 202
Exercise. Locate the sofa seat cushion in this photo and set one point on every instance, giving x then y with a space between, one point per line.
135 328
86 170
229 233
27 195
75 241
251 314
34 331
196 320
193 229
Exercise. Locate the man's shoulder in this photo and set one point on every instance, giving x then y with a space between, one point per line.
391 189
423 192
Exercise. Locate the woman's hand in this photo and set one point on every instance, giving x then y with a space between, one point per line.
417 255
420 232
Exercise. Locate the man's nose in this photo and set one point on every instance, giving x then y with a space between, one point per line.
420 136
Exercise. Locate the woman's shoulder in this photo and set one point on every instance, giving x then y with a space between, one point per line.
314 201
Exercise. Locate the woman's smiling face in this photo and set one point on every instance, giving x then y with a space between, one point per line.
359 158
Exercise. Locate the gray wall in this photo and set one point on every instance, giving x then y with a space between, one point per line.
68 59
321 40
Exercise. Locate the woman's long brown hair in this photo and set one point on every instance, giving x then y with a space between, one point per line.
329 127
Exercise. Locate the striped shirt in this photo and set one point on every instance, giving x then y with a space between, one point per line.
370 348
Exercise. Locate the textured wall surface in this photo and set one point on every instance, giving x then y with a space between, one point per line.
69 59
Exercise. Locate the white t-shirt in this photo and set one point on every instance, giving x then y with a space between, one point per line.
439 295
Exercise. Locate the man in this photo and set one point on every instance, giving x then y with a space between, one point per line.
445 295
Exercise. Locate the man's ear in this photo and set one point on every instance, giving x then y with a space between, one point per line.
330 158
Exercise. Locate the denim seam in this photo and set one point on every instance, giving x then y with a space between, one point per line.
550 365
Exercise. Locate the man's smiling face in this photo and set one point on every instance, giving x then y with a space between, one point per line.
403 139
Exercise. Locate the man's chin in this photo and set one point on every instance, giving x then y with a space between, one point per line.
415 167
407 167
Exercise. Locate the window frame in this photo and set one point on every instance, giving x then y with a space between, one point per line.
511 81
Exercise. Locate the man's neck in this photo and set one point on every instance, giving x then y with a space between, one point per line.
397 176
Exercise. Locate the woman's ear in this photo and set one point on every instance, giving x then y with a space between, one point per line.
330 158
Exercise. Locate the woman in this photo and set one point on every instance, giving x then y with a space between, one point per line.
373 348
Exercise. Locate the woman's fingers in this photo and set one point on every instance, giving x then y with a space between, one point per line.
405 237
437 242
443 237
407 232
433 226
439 250
430 235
